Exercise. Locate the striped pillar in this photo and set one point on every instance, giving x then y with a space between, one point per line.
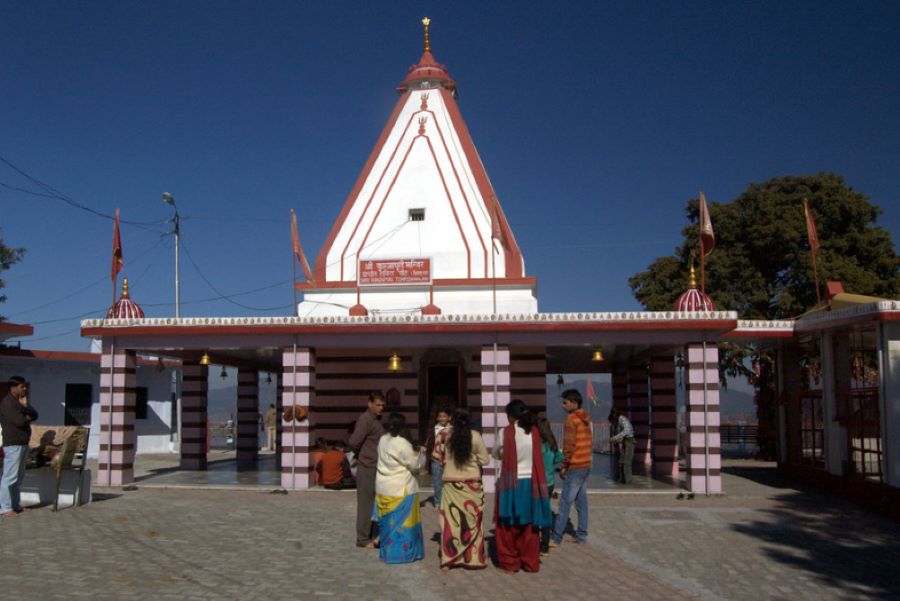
117 439
279 407
247 417
639 405
493 405
194 422
703 428
299 389
663 409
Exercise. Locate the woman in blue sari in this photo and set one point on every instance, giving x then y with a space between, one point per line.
522 506
397 495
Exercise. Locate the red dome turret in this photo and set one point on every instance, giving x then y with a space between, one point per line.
692 299
428 73
125 308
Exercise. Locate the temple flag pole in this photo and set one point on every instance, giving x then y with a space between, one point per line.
813 236
707 239
117 262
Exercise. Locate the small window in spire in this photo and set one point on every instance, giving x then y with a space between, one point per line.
417 214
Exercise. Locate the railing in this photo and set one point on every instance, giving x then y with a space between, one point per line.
601 435
739 434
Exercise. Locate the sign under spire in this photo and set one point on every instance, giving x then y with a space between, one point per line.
426 22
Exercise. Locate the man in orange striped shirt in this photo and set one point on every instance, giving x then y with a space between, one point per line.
575 468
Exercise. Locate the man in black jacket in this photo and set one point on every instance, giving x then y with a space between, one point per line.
16 416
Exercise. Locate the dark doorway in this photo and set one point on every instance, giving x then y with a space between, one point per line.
443 386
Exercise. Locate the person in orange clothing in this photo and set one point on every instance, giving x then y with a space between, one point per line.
334 469
575 468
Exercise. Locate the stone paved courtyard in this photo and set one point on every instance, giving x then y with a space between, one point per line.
764 540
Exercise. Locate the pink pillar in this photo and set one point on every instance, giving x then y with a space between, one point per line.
704 462
194 386
247 416
494 370
299 390
665 428
279 426
117 439
639 406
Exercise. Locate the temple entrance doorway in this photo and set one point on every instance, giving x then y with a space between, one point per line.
443 377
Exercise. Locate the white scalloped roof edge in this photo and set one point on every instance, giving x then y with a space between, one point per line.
610 316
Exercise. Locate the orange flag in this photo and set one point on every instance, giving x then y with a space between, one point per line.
298 249
589 392
116 253
811 232
707 235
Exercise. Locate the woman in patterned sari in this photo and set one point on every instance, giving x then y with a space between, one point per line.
396 495
461 452
522 505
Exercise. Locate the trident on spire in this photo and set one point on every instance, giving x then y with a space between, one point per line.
426 22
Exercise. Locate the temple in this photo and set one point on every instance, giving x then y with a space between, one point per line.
421 267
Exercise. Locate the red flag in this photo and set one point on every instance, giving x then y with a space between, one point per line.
117 252
298 249
707 235
589 391
811 232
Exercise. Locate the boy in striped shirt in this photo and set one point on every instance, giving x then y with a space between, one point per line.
575 468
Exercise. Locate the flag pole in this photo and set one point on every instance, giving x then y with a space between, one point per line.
813 238
816 276
294 281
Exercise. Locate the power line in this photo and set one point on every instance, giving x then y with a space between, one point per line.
217 291
53 193
92 284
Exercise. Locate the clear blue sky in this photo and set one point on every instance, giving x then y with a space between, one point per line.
596 122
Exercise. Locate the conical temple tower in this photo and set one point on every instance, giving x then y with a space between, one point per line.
422 230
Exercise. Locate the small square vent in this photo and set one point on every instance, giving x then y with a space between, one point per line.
417 214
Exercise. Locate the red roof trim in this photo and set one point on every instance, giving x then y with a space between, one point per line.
322 259
54 355
73 356
513 255
419 328
16 329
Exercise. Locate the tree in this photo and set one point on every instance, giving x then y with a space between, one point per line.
8 257
762 267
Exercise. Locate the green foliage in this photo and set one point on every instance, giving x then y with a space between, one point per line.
761 266
8 257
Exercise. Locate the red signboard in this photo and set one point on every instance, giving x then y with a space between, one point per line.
394 272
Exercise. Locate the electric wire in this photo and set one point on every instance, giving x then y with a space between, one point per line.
92 284
219 292
53 193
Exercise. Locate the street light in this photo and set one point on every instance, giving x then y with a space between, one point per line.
170 200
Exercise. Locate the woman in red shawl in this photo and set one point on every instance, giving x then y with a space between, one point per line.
522 506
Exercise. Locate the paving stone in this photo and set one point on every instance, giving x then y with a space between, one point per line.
768 541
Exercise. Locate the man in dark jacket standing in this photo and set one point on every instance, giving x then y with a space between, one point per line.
364 443
16 416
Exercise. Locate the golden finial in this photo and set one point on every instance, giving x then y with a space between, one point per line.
124 287
426 22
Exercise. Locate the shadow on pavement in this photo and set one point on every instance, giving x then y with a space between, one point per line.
830 539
